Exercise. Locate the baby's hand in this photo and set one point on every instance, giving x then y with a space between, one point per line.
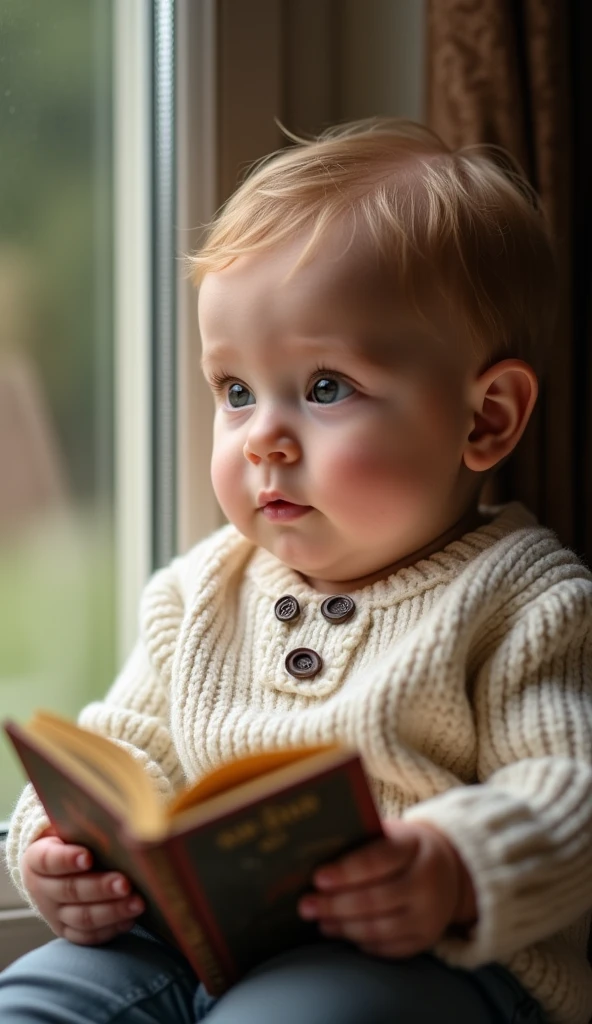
394 897
86 907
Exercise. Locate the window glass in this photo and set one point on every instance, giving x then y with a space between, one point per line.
57 581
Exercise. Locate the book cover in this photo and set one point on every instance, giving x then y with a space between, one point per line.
221 875
89 818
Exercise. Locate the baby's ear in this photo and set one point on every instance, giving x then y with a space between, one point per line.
502 399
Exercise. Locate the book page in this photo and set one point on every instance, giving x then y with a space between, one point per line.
106 764
236 773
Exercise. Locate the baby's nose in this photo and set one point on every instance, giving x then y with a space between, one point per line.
279 449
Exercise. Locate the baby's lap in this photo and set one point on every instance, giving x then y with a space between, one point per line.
132 980
333 983
136 979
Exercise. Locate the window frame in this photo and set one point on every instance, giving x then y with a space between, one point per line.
20 928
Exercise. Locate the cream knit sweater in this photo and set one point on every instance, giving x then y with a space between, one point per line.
464 680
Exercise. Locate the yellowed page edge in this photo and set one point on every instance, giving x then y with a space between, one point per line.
235 773
97 756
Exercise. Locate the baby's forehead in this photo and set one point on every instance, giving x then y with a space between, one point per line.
343 277
344 297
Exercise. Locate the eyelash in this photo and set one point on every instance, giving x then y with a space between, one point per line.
219 381
322 373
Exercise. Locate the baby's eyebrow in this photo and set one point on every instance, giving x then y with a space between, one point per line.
326 346
218 354
323 347
367 352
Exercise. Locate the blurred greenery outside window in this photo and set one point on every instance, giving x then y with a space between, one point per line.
57 577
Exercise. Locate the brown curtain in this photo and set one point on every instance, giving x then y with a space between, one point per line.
514 73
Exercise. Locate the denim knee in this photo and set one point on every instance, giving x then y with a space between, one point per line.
132 980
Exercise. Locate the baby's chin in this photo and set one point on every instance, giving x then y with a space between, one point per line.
298 554
330 576
326 563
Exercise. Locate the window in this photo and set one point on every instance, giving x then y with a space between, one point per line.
75 343
57 576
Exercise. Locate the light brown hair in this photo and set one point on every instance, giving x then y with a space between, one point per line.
455 221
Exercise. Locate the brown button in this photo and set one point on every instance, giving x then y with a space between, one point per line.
302 663
338 609
287 608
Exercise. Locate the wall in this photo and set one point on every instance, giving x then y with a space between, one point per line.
382 58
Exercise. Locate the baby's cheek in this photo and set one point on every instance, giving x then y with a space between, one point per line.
227 481
369 486
376 467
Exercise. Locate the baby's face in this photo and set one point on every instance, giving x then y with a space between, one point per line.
341 414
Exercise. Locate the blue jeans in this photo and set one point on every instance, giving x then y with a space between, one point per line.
138 980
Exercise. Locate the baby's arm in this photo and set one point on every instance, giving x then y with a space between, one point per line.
509 860
525 833
85 906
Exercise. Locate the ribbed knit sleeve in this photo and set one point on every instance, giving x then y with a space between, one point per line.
134 713
26 824
525 831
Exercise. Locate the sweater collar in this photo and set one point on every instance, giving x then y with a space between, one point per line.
274 579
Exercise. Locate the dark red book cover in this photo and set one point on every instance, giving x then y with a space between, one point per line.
247 871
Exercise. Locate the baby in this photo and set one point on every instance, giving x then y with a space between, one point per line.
373 308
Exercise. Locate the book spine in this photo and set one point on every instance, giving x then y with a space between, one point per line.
167 890
361 793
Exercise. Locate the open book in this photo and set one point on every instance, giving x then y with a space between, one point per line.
223 865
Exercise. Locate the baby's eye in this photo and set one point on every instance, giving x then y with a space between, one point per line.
328 390
239 396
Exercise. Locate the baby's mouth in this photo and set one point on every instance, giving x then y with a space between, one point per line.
281 510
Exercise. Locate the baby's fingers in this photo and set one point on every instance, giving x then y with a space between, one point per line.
387 936
94 918
377 931
372 862
50 856
390 897
90 887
